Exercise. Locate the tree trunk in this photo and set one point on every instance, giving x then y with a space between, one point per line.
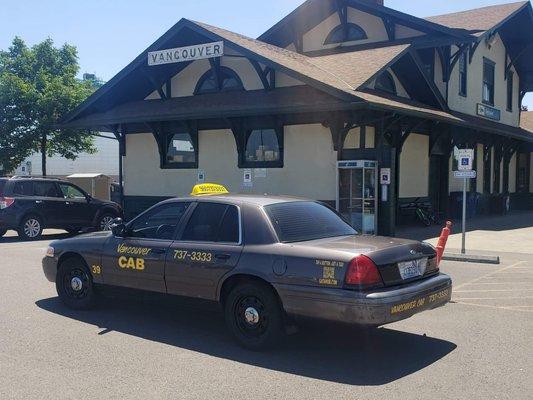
43 154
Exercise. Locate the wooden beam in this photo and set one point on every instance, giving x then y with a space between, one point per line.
390 27
262 73
215 67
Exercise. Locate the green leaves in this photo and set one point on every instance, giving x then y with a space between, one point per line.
38 86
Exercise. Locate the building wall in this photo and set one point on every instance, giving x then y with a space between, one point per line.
468 105
309 171
512 174
479 167
400 90
531 173
414 167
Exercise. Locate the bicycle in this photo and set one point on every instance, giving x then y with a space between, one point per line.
423 211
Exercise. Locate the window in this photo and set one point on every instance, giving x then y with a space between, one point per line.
523 161
463 71
213 222
71 192
385 83
306 220
510 91
159 222
24 188
352 33
427 57
46 189
181 150
208 83
263 148
488 82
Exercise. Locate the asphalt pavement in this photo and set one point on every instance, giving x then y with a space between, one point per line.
479 346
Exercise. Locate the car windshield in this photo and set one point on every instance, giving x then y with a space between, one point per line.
2 184
306 220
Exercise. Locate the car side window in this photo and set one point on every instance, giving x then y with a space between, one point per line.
23 188
159 223
46 189
71 192
213 222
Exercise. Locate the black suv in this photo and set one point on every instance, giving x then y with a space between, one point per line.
29 205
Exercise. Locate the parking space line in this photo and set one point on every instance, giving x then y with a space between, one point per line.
489 274
494 290
493 298
509 308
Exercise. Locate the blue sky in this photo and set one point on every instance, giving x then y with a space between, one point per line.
109 34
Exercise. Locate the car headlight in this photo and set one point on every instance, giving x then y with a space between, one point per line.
50 251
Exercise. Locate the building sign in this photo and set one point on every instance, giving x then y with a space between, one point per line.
183 54
488 112
465 159
384 176
464 174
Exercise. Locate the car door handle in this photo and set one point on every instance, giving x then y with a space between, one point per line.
38 201
223 257
68 203
159 251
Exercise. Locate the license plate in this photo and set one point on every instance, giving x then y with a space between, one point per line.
412 269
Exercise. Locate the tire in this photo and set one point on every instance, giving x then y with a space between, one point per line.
30 228
104 221
74 285
72 231
254 316
3 232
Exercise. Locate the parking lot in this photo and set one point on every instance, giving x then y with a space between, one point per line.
477 347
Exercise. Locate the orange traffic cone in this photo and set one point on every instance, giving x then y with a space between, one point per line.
442 241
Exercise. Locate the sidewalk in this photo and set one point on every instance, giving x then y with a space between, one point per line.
511 233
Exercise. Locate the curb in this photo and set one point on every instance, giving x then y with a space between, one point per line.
471 258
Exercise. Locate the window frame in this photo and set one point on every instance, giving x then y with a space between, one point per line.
329 41
222 70
189 214
85 195
492 95
463 75
510 91
167 136
280 134
389 76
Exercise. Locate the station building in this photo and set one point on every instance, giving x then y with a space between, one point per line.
344 101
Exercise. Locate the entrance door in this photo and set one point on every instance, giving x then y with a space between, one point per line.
356 200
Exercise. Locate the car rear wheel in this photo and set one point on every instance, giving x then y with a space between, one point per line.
105 221
254 316
3 232
74 285
31 228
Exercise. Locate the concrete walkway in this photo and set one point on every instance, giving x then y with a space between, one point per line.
493 234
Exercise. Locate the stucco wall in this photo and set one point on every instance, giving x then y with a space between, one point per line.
531 174
512 174
468 105
480 170
414 166
400 90
309 171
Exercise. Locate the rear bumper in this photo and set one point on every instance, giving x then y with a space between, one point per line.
366 308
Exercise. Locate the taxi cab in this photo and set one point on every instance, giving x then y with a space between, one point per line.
268 260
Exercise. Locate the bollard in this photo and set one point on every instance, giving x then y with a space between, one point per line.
442 241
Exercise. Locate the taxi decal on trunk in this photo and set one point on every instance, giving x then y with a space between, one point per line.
328 271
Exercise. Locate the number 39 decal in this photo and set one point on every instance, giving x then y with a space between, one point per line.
197 256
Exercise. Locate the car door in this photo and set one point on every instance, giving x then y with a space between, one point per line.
49 203
209 246
78 211
138 259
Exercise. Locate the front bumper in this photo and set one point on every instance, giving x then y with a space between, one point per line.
50 268
378 307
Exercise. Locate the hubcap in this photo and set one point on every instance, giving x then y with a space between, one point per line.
76 284
251 316
32 227
105 223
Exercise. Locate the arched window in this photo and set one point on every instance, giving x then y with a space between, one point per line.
263 148
385 83
352 33
208 83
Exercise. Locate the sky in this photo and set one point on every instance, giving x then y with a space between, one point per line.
111 33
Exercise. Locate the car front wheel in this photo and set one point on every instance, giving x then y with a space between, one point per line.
254 316
74 285
30 228
3 232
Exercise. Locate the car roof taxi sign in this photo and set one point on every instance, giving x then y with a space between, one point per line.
208 189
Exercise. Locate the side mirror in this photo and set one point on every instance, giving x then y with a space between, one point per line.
118 227
89 198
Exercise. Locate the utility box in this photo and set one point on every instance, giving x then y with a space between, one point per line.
97 185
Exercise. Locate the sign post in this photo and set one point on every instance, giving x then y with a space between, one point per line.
465 158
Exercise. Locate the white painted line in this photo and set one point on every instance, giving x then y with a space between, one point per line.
489 274
511 308
494 290
493 298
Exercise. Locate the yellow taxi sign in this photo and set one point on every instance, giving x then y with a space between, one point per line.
208 189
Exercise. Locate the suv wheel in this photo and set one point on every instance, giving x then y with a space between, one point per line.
104 222
3 232
31 228
74 285
254 316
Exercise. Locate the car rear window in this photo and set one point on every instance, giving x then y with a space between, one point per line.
306 220
2 185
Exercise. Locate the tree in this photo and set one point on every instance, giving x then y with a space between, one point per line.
38 86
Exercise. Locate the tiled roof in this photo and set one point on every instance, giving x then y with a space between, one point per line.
480 19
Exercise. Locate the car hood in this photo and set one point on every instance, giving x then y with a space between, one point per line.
86 238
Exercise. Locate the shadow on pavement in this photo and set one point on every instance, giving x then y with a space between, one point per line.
45 236
327 352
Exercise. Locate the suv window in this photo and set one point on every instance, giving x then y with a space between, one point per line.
213 222
46 189
23 188
71 192
158 223
306 220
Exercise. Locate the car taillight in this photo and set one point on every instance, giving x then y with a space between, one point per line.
5 202
362 272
